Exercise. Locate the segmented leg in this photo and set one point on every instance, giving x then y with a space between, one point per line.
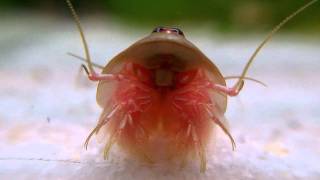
138 105
234 91
131 99
139 133
93 76
114 136
126 103
195 107
103 120
218 118
187 103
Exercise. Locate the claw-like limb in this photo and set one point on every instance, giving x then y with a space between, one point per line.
113 137
216 118
225 130
104 119
85 69
86 143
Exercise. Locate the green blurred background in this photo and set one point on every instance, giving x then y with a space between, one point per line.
223 16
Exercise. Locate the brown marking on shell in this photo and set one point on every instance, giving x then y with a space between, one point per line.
143 51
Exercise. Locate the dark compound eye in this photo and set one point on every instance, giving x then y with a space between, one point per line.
168 30
159 29
178 31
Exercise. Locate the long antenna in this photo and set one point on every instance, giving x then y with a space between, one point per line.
269 36
84 42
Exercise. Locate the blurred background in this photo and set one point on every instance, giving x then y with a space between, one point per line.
225 16
48 107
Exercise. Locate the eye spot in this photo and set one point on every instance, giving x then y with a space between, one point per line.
158 29
176 31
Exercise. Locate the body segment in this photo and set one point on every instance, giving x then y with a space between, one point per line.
162 122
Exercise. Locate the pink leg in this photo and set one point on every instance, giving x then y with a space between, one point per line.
234 91
93 76
191 112
133 98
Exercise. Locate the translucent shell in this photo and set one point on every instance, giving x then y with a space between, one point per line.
186 56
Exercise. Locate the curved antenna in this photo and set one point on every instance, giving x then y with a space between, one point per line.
269 36
246 78
84 42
